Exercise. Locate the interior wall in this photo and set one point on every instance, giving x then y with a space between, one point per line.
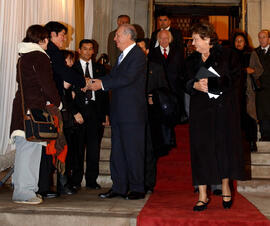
221 24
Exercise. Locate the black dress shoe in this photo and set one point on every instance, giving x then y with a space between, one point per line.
110 194
134 195
67 190
95 186
76 187
149 190
227 204
201 207
217 192
49 194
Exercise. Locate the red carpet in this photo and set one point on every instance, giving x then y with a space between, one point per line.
172 202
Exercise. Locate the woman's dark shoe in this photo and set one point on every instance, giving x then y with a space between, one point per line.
226 204
200 207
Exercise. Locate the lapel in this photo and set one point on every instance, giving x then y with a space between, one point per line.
78 66
126 57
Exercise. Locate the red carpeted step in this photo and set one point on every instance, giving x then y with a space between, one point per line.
172 202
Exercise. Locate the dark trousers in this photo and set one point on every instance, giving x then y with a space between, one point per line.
86 137
265 129
45 172
127 157
150 161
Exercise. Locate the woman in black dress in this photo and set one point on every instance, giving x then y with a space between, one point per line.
215 134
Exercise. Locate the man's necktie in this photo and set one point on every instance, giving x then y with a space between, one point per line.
165 54
87 74
264 51
120 58
88 94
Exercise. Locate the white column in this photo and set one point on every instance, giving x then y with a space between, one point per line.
254 19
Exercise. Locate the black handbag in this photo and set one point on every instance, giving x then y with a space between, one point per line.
38 123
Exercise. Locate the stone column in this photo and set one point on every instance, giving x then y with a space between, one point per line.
253 20
136 9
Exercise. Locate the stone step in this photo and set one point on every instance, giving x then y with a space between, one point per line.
263 146
106 142
260 158
104 180
104 167
254 185
105 154
83 208
107 131
260 171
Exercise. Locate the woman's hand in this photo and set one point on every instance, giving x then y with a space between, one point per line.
201 85
250 70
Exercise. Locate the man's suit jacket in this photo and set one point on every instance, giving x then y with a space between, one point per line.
101 98
113 51
173 67
127 82
176 43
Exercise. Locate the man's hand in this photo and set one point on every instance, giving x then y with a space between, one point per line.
107 122
79 119
94 84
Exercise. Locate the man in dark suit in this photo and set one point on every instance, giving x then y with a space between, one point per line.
128 116
90 110
164 22
170 58
263 96
113 51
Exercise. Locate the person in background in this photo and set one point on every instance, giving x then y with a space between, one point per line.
112 49
164 21
64 77
241 46
215 132
38 89
154 137
263 96
69 57
90 110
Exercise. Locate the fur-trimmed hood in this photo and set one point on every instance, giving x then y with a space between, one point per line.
27 47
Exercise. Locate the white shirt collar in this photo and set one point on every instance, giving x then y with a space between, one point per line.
83 62
266 48
167 28
126 50
167 49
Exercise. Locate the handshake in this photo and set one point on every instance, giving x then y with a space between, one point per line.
92 84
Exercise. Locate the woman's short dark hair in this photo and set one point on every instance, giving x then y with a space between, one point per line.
205 30
35 34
